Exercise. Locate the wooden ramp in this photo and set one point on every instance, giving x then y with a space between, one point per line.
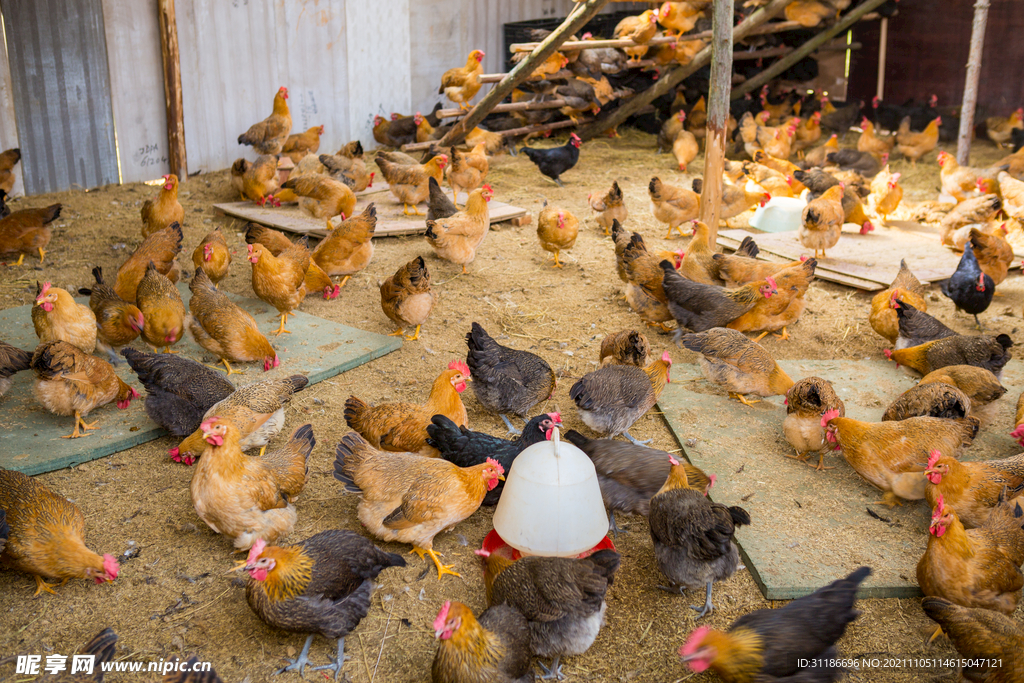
868 262
390 221
31 442
809 528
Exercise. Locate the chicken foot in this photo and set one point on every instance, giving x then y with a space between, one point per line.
300 662
284 319
708 606
888 498
672 228
612 526
802 457
557 264
86 426
336 662
635 441
555 672
415 211
230 370
512 431
42 586
442 569
743 399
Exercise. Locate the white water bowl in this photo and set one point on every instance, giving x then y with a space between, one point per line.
551 504
780 214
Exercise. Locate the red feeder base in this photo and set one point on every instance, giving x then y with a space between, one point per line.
493 543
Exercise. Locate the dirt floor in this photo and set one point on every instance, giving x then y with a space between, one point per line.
173 596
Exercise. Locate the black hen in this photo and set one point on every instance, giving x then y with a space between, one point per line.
5 530
852 160
969 288
506 380
772 644
438 204
917 327
466 448
179 391
12 361
321 585
557 160
699 307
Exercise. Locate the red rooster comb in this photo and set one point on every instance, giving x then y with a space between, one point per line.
256 550
557 417
208 424
460 366
693 643
496 465
442 616
940 506
771 282
666 358
43 291
933 458
828 416
672 461
110 566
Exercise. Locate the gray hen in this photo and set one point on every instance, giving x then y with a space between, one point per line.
699 307
610 399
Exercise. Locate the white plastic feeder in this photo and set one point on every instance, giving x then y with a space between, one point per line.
551 504
779 214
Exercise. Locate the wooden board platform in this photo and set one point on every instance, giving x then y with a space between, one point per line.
868 262
809 528
30 440
390 221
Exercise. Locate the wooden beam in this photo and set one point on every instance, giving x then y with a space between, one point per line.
176 155
514 106
581 14
970 102
776 68
510 133
718 117
883 47
669 80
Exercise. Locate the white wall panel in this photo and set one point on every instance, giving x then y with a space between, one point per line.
136 88
378 63
8 122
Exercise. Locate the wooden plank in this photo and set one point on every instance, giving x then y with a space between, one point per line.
136 88
177 158
390 221
873 258
31 440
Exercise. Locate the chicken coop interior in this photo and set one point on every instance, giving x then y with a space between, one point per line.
486 341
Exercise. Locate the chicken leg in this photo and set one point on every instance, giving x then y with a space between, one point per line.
888 498
284 319
86 426
230 370
42 253
415 335
300 662
442 569
512 431
557 264
743 399
612 526
555 672
21 259
42 586
336 662
634 441
415 211
707 607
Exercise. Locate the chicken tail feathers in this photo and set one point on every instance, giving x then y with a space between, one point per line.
355 409
748 247
443 434
347 457
607 562
740 517
102 646
576 439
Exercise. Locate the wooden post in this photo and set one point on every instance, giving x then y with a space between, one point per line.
883 46
963 143
582 13
718 117
177 158
776 68
668 81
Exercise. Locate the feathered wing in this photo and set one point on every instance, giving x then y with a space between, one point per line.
289 465
685 518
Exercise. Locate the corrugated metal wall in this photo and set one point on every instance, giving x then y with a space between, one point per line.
61 87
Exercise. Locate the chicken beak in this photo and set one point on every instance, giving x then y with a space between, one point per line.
501 477
239 566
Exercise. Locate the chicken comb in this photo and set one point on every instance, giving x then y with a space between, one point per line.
460 366
557 417
933 458
693 643
771 282
940 505
207 424
666 358
488 188
256 550
110 566
43 291
828 416
496 464
672 461
482 553
442 616
712 478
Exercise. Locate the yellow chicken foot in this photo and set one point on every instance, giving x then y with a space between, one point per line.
263 449
935 634
743 399
415 335
416 211
662 326
888 498
41 586
167 349
344 280
284 319
230 370
761 336
21 259
442 569
79 422
397 333
463 268
557 264
670 231
821 463
784 336
41 255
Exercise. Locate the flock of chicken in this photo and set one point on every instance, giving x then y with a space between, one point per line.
420 470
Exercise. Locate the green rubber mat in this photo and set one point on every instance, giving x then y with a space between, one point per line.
810 528
30 436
